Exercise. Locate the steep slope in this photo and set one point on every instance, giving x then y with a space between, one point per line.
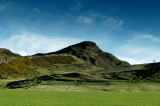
90 52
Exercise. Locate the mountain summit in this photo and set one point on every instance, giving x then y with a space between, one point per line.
90 52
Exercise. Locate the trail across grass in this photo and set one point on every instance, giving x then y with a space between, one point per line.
76 98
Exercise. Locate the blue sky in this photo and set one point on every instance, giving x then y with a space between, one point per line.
129 29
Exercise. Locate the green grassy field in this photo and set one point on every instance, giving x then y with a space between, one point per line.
77 98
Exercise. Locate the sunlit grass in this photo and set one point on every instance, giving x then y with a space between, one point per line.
73 98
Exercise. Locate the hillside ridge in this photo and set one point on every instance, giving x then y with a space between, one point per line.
90 52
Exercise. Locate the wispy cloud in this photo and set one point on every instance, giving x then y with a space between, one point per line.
143 37
102 20
85 19
77 5
30 43
139 54
140 48
113 23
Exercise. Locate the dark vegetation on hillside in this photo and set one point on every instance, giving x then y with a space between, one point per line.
151 73
50 61
78 78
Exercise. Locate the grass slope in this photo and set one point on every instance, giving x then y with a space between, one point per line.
42 65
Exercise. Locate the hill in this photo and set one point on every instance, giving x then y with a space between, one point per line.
32 66
90 52
82 61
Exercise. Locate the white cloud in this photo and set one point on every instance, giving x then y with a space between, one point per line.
139 54
131 60
85 19
140 48
31 43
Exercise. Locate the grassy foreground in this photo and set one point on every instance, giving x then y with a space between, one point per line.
77 98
